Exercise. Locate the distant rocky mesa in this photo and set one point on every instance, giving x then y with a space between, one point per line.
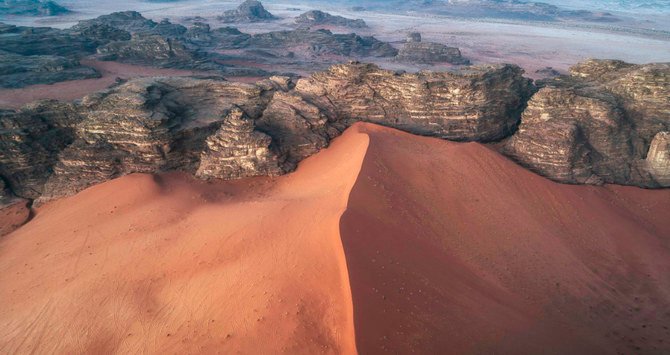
31 8
129 37
248 11
320 18
416 51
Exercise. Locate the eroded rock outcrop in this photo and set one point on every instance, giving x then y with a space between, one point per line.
146 126
430 53
320 18
44 41
248 11
30 141
238 150
218 129
323 42
19 70
597 125
658 158
154 50
578 129
478 104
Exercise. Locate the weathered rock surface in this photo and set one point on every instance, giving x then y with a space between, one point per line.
30 140
150 125
478 104
597 125
322 42
320 18
152 50
129 21
430 53
44 41
131 38
218 129
248 11
584 128
238 150
18 70
658 158
31 8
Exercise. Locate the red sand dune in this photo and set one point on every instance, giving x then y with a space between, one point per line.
384 242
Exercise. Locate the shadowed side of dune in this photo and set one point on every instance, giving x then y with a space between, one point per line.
452 248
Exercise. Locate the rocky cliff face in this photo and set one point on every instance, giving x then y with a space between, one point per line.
151 125
30 141
477 104
658 158
597 125
218 129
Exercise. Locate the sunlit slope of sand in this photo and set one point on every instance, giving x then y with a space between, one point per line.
168 264
384 242
452 248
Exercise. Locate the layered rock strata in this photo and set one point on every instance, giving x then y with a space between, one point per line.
477 104
603 123
218 129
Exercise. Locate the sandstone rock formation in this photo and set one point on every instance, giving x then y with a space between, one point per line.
248 11
218 129
151 49
481 103
129 37
597 125
658 158
416 51
320 18
31 8
130 21
30 140
18 70
44 41
238 150
323 42
148 125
